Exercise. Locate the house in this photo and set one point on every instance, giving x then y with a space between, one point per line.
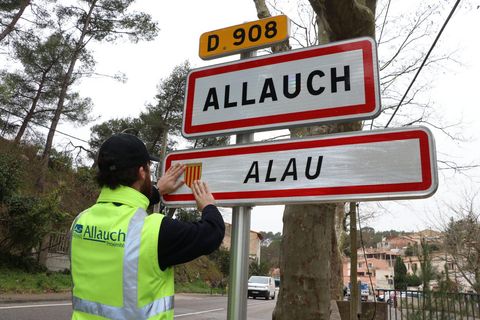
377 270
255 242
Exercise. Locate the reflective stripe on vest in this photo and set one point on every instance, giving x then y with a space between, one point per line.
129 311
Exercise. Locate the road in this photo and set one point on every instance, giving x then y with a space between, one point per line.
187 306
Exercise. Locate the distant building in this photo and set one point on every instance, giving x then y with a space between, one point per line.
255 242
381 260
378 268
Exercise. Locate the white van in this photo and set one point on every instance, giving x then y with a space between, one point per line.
261 286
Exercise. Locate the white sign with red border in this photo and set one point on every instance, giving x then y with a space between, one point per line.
373 165
333 82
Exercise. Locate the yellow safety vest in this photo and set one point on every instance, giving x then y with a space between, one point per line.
114 260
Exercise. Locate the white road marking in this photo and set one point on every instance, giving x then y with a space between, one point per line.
37 306
212 310
256 304
199 312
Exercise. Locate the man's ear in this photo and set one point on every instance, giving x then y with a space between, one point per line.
142 173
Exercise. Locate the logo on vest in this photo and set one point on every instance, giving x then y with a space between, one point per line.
96 234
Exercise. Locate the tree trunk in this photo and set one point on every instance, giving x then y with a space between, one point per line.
30 113
23 5
304 262
58 112
310 261
61 100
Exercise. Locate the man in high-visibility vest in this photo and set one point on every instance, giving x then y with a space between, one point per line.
121 257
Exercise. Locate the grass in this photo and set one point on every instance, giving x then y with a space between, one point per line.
19 275
17 281
197 286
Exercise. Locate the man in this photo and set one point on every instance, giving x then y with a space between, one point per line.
122 258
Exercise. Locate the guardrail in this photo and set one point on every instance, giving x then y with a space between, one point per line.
431 305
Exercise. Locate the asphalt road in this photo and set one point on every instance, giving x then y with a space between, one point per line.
187 306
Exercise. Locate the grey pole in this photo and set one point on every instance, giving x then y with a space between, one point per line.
239 249
163 153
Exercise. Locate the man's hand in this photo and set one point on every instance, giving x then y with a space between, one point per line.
202 195
169 181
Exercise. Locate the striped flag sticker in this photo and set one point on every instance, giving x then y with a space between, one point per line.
193 172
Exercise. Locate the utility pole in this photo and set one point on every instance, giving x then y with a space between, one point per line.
163 153
354 294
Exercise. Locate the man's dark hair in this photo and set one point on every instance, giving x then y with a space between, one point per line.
114 179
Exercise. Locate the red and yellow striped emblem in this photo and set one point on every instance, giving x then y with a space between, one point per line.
193 172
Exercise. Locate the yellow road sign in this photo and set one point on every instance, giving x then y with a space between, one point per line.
243 37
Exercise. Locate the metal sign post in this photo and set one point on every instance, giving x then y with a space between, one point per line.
239 249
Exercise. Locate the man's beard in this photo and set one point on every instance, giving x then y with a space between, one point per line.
146 188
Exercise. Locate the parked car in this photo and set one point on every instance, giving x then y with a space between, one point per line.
387 296
277 284
409 293
261 286
364 292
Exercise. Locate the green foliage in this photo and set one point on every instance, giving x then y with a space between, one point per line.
104 130
10 175
270 235
427 273
400 274
28 219
271 254
202 269
462 241
256 269
211 142
20 263
167 112
446 284
411 251
413 280
187 215
31 92
17 281
110 20
9 6
370 238
221 258
199 286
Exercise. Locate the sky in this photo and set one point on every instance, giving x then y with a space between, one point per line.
453 91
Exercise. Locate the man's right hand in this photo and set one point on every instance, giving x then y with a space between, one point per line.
170 182
202 194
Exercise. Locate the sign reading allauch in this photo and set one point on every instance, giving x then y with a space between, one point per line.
334 82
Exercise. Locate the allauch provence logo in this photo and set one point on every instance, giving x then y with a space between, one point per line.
97 234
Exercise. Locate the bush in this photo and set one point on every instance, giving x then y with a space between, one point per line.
27 264
10 175
413 280
255 269
28 219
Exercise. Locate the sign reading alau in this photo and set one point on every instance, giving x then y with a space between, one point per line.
333 82
373 165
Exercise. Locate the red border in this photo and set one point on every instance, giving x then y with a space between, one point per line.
425 157
369 81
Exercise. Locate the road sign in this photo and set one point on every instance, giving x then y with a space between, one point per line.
333 82
244 37
373 165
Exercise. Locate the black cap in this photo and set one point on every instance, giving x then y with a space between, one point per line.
122 151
